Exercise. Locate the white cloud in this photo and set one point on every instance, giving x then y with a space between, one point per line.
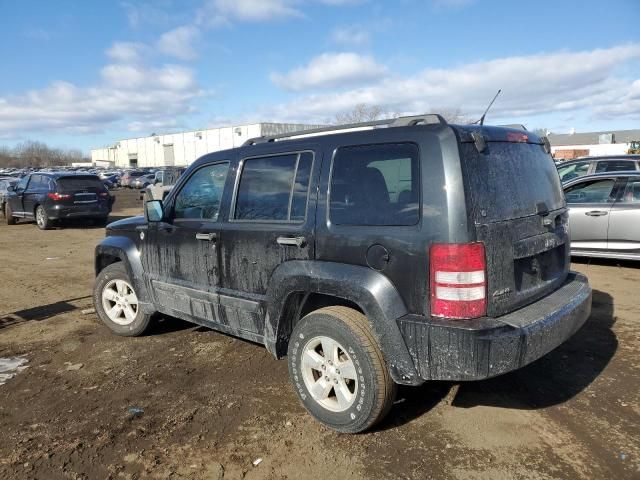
342 2
131 93
36 33
442 4
330 70
139 14
126 51
351 36
532 85
179 42
247 10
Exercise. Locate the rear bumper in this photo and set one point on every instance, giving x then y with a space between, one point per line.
59 212
486 347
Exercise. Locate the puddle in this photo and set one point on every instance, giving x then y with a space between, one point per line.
11 366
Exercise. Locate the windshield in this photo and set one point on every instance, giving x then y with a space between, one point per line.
574 170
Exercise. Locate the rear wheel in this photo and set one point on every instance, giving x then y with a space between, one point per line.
116 302
42 220
8 214
338 370
101 221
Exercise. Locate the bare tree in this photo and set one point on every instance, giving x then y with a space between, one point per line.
541 132
363 112
360 113
453 115
38 154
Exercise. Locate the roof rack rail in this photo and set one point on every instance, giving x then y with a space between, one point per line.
519 126
427 119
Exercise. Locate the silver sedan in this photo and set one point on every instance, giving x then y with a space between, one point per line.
604 215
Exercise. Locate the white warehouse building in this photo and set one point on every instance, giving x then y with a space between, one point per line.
180 149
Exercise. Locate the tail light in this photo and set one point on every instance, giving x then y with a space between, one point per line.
458 280
103 194
58 196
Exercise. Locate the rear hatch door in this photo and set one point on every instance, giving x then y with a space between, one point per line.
517 206
82 191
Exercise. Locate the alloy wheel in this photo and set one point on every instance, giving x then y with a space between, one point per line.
329 374
120 302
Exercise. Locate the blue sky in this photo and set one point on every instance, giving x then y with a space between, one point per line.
82 74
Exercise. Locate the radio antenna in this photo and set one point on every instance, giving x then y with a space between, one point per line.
481 121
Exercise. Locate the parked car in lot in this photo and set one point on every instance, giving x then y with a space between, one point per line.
142 182
604 215
110 181
163 182
5 183
130 176
590 165
370 258
48 197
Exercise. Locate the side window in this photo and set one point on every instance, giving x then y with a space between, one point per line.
274 188
590 192
632 192
575 170
376 185
615 166
35 184
22 184
200 197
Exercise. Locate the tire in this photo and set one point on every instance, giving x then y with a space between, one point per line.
368 397
8 214
111 278
101 222
42 220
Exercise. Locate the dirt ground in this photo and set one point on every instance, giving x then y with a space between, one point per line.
185 402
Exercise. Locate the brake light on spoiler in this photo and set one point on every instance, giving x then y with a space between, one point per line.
517 137
458 280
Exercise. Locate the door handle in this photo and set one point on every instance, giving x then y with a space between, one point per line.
596 213
293 241
209 237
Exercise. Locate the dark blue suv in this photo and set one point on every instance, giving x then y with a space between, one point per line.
50 196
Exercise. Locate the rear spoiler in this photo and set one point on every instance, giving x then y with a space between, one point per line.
512 134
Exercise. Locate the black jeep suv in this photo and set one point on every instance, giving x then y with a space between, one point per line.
51 196
371 257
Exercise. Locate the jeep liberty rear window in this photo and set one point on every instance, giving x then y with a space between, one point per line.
511 180
376 185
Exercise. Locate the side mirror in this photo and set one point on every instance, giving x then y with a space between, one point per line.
153 210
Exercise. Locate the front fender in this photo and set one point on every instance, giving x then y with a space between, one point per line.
125 250
370 290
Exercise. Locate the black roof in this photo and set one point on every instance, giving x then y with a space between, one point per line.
55 175
427 122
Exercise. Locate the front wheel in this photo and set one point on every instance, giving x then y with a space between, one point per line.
42 220
338 370
116 302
